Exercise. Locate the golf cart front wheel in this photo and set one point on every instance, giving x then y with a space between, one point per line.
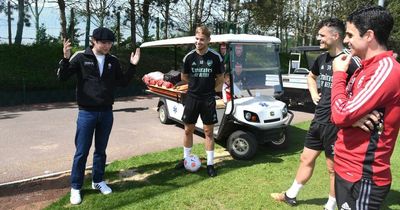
242 145
163 114
280 143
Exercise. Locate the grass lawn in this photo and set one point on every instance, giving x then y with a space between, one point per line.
150 182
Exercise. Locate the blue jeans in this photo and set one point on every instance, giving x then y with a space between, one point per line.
89 122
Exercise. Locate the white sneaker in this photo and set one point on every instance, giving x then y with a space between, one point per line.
102 186
75 197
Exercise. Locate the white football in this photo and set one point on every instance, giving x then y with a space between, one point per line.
192 163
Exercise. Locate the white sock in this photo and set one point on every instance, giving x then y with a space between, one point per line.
331 204
210 157
294 189
186 151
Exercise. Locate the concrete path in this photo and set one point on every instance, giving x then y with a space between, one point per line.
38 140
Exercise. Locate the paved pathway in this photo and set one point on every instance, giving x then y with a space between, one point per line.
38 140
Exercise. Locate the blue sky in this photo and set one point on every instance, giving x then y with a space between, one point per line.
49 17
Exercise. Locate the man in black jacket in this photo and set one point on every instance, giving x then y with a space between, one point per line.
98 73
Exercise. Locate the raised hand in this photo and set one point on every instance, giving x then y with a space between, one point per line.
341 63
67 48
135 57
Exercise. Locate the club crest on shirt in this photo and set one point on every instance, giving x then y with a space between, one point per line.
109 66
194 63
361 81
209 63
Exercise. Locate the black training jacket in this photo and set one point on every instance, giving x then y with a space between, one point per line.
94 92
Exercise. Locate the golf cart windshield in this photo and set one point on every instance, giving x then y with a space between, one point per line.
255 69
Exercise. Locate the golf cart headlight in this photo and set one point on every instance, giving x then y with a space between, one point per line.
250 116
284 111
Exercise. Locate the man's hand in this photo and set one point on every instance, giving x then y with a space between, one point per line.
315 98
135 57
341 63
368 122
67 48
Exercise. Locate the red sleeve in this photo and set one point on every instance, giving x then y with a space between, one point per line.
346 111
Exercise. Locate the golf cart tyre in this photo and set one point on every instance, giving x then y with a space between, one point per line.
242 145
280 143
163 114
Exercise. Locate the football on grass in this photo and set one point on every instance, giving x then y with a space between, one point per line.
192 163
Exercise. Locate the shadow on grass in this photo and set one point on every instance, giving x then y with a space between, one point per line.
151 178
393 198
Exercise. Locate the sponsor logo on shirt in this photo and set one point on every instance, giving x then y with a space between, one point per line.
88 63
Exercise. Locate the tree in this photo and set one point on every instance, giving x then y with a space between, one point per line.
101 10
133 23
23 20
145 19
63 23
36 11
72 31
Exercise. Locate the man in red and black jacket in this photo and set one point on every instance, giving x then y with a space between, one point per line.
362 158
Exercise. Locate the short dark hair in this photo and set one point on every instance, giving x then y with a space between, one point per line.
335 23
375 18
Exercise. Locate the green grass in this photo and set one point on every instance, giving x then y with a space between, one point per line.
150 182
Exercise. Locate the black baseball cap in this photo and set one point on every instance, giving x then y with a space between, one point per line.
103 34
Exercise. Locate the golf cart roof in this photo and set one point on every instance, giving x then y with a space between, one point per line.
227 38
305 48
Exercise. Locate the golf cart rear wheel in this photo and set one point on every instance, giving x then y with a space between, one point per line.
242 145
163 114
280 143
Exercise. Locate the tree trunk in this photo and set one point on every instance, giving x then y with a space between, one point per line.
133 23
9 22
157 28
146 19
118 29
61 5
71 31
87 30
166 16
20 24
196 16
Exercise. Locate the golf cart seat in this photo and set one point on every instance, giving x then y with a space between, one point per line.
301 71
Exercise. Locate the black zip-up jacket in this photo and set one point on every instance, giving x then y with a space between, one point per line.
94 92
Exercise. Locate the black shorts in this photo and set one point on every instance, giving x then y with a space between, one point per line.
194 107
363 194
321 137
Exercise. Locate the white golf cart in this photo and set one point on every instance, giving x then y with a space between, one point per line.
295 81
254 116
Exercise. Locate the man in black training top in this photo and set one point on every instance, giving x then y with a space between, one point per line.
322 134
203 69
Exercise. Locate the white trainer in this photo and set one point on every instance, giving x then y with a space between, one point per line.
75 197
102 186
